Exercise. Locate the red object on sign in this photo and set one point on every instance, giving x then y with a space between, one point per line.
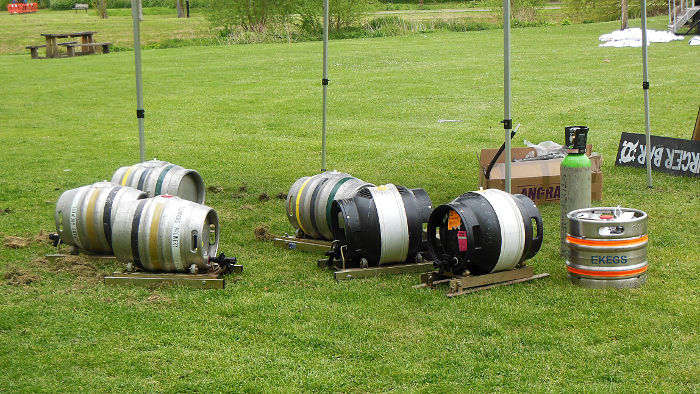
462 240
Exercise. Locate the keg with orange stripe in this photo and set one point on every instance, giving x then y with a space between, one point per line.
166 234
607 247
84 216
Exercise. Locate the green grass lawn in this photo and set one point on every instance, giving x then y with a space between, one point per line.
251 114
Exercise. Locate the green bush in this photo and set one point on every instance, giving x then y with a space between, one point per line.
251 15
61 4
610 10
342 14
522 11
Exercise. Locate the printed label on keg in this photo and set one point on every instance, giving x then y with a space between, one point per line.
74 217
598 260
175 239
462 240
454 222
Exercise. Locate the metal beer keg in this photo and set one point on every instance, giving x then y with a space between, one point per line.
607 247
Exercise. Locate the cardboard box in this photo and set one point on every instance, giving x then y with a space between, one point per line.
537 179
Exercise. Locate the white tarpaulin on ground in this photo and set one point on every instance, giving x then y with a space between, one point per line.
633 37
694 41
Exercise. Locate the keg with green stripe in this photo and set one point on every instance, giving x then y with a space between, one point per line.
157 177
84 216
166 234
607 247
310 199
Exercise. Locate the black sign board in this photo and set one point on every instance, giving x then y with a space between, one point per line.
671 155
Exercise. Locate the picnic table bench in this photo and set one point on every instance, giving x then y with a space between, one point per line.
71 47
34 49
80 6
87 45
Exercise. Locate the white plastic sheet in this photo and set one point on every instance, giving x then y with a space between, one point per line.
633 38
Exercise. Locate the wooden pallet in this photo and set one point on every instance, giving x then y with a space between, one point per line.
303 244
341 273
460 285
212 280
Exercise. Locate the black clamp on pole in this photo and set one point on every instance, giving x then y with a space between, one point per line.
645 85
325 81
507 124
140 113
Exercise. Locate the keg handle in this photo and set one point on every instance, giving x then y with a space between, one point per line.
540 229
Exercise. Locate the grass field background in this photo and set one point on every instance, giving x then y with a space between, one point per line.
251 115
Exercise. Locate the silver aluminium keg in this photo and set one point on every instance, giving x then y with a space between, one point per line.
310 199
84 215
157 177
607 247
166 234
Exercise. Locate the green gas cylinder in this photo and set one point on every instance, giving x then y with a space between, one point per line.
575 179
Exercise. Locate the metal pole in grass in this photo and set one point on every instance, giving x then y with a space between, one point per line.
140 113
507 121
324 82
645 87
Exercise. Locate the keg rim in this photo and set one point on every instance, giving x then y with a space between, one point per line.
572 215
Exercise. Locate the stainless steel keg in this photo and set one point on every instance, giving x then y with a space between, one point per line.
310 199
157 177
607 247
166 234
84 215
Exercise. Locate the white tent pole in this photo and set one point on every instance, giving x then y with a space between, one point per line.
645 86
139 81
507 121
324 82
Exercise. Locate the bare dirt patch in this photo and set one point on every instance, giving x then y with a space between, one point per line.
216 189
263 197
262 233
19 277
13 242
43 237
157 298
281 196
75 265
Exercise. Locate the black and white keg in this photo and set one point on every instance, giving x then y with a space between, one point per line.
484 231
380 225
156 177
310 198
84 215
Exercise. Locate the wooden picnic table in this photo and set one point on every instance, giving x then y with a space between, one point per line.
52 42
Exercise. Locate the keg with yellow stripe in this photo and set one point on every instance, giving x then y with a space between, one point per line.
310 199
166 234
84 215
607 247
157 177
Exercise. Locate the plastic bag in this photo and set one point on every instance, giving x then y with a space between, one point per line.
545 150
